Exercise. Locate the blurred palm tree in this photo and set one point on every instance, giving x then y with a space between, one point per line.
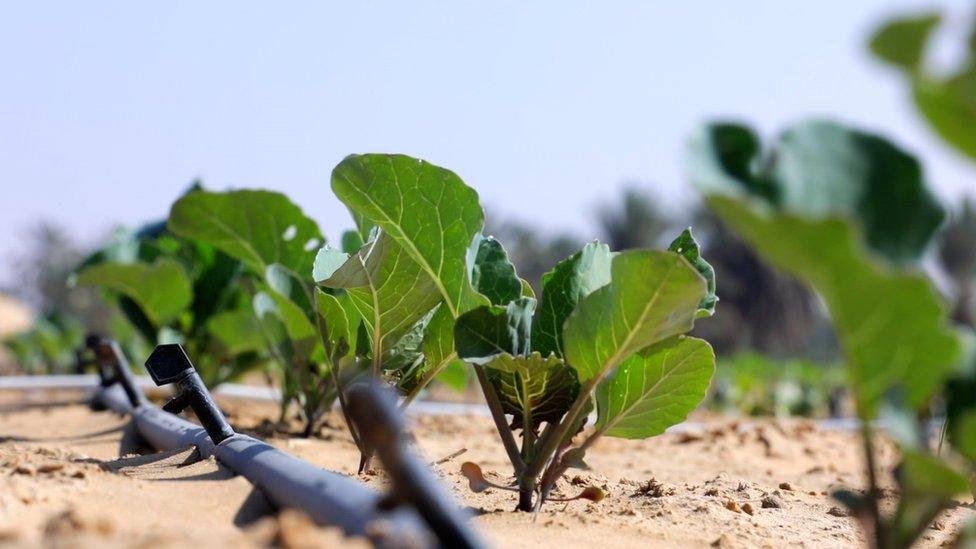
40 273
636 220
957 255
759 308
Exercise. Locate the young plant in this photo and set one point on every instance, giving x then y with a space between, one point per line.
388 301
890 322
171 289
275 243
609 335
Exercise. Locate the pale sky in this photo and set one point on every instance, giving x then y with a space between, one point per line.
109 109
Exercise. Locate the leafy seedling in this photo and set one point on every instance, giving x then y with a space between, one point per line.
276 244
608 335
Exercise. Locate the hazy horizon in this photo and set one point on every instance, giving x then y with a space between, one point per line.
110 111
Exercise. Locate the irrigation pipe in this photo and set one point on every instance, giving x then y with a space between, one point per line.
416 513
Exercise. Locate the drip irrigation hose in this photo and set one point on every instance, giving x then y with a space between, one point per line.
417 514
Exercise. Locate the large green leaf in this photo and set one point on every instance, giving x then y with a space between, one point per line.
822 169
427 210
652 296
891 326
161 290
257 227
686 246
655 388
387 287
237 331
569 281
533 388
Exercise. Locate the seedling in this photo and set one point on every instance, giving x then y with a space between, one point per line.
275 242
608 335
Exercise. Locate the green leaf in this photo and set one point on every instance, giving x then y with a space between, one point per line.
427 210
492 274
483 333
568 282
532 388
891 326
928 486
338 324
655 389
901 42
298 328
652 296
387 288
821 169
161 290
950 107
237 331
687 247
257 227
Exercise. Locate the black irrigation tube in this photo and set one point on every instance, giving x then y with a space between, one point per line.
416 513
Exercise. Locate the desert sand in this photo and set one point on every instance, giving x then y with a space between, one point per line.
70 476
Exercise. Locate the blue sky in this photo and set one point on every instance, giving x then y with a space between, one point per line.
108 110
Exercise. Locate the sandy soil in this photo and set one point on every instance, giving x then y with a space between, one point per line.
73 477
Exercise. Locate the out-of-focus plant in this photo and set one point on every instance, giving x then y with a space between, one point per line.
171 289
826 205
271 244
946 99
758 385
48 347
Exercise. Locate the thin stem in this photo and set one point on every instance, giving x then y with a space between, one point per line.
562 431
872 497
497 414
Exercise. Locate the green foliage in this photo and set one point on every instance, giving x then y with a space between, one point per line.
947 101
608 330
759 385
387 288
819 169
652 296
655 388
259 228
160 289
427 210
892 325
686 246
276 244
569 281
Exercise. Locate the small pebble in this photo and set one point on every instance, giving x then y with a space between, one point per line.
786 486
772 502
747 509
838 512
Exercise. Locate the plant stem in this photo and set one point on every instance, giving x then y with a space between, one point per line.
526 491
424 381
872 496
562 431
498 415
